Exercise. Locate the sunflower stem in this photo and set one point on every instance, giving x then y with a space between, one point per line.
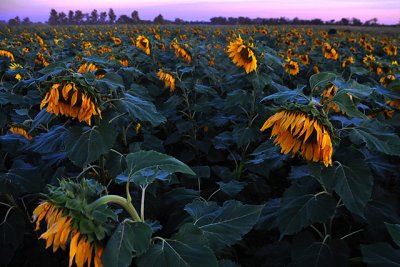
114 199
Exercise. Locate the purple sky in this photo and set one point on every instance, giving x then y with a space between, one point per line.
387 11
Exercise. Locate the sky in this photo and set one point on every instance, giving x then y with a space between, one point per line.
387 11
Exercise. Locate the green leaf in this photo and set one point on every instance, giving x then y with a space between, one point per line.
224 226
145 166
377 137
343 101
380 255
187 248
352 182
298 212
85 145
321 79
140 109
394 231
128 240
231 188
306 251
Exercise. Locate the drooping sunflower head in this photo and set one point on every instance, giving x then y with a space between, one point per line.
143 43
330 52
8 54
304 59
69 217
181 52
347 62
292 67
168 79
387 79
19 129
302 129
242 54
68 99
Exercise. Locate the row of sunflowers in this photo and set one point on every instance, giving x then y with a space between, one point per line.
199 146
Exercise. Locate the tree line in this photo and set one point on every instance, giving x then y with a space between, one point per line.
95 17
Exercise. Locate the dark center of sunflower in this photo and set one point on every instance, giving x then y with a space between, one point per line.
244 55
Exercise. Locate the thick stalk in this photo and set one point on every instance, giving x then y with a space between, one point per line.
123 202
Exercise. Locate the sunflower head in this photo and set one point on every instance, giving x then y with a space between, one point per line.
292 67
68 217
167 78
347 62
181 52
391 50
330 52
302 129
74 99
143 43
304 59
387 79
20 129
242 54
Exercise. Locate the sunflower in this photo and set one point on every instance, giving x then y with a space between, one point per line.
391 50
41 60
21 131
168 79
367 59
15 66
330 52
292 67
116 40
369 48
304 59
327 95
68 100
242 55
4 53
296 131
347 62
143 43
181 52
387 79
66 210
87 68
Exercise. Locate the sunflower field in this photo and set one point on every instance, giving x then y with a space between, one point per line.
199 146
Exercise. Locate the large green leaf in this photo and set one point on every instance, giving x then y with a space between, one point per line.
380 255
321 79
377 137
145 166
128 240
307 251
352 182
300 211
21 178
85 145
224 226
187 248
140 109
343 101
394 231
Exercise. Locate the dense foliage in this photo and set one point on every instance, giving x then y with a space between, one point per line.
143 146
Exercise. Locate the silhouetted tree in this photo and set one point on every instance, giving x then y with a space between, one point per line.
218 20
344 21
135 17
94 16
103 17
111 16
15 21
356 22
124 19
71 17
371 22
179 21
78 17
62 18
316 22
26 21
159 19
53 19
244 20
